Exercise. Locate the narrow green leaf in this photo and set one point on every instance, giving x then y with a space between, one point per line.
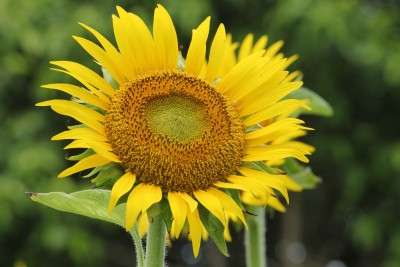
214 228
235 195
318 105
91 203
85 154
260 166
303 176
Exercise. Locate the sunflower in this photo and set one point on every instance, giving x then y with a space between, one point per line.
184 135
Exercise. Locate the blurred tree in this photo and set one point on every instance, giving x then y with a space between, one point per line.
349 53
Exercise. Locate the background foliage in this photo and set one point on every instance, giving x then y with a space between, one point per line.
349 53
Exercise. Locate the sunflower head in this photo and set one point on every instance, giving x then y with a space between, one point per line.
175 131
186 137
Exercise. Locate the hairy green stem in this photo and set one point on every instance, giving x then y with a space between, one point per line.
255 238
138 245
155 249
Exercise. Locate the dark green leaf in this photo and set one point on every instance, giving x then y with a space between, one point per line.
85 154
90 203
214 228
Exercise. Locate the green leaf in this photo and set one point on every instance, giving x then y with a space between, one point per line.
91 203
260 166
108 175
85 154
303 176
214 228
235 195
318 105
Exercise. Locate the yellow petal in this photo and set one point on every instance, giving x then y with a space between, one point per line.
273 49
227 203
255 78
90 87
83 114
240 73
80 93
243 187
229 60
179 211
217 53
150 194
290 60
197 49
104 149
81 133
246 47
84 164
274 152
276 204
293 75
77 144
211 203
265 97
134 206
165 39
274 110
189 200
86 74
195 230
139 39
122 34
255 186
270 180
122 186
143 224
120 68
290 184
255 199
260 44
272 131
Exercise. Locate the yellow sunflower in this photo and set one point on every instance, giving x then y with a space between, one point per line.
180 134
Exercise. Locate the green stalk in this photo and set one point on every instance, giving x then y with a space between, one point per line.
138 245
255 238
155 249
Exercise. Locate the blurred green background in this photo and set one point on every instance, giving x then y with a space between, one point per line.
349 53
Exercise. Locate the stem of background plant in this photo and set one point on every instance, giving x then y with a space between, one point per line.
155 249
255 237
138 245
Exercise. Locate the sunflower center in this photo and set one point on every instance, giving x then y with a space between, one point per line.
175 131
177 117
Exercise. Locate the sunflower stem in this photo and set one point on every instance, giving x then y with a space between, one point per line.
155 248
255 238
138 245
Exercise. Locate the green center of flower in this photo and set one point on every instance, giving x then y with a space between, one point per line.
175 131
177 117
